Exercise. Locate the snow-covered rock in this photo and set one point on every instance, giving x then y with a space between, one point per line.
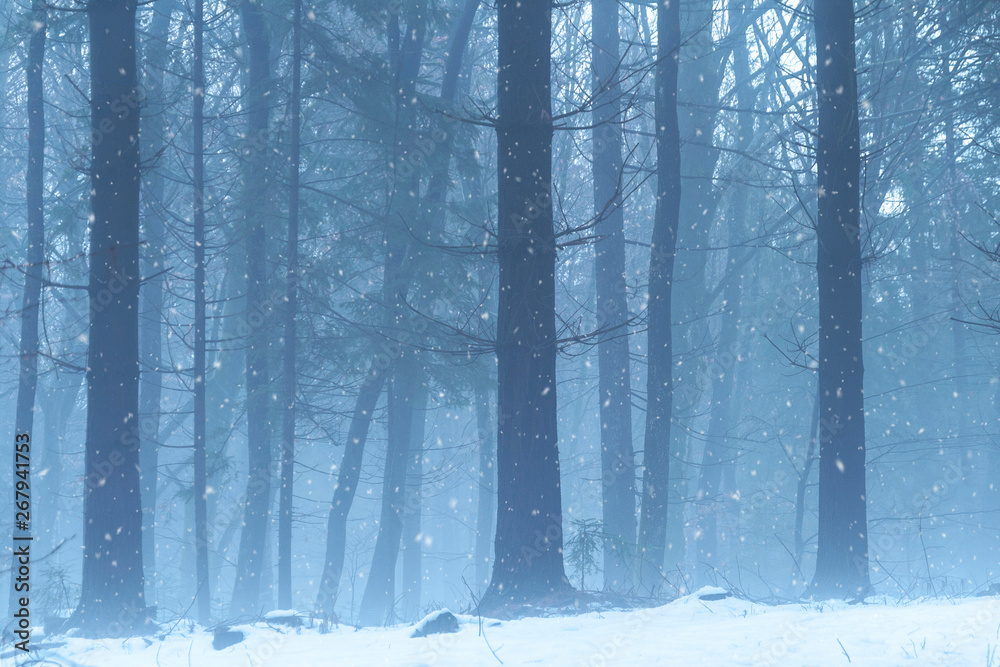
289 617
224 638
439 622
711 593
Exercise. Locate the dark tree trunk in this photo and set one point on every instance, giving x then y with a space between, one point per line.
529 557
154 129
246 590
291 306
659 383
201 538
27 382
615 390
111 595
842 549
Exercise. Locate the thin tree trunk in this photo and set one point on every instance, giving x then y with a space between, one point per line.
615 391
246 590
111 594
201 537
842 549
347 482
529 539
659 381
151 291
27 382
291 301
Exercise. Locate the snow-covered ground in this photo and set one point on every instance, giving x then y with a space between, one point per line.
688 631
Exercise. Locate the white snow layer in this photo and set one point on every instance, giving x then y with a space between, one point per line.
688 631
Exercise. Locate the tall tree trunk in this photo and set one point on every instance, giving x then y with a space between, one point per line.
27 381
659 382
154 130
246 590
111 594
615 390
201 538
291 305
842 549
529 539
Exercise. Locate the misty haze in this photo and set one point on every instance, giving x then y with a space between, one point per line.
466 332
